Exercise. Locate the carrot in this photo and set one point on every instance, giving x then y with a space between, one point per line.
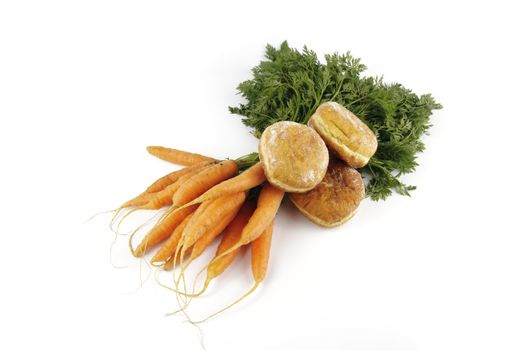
163 182
166 180
252 177
203 181
186 188
216 216
168 265
162 230
260 257
158 193
167 249
231 236
157 200
209 236
177 156
162 198
206 239
261 254
210 217
267 206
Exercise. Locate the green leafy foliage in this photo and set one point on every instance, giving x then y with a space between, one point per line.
290 84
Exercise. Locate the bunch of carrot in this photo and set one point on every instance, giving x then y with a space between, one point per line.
205 199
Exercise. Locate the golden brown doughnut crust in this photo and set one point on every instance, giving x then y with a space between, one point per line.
294 156
344 133
335 200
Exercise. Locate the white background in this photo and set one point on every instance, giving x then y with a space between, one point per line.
86 85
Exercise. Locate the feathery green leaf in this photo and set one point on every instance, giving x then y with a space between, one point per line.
291 84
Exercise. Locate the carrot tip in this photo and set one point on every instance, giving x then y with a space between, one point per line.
157 263
138 252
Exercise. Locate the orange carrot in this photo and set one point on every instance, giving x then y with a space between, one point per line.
261 254
167 180
250 178
206 239
219 213
169 264
210 217
203 181
260 258
177 156
267 206
231 237
168 248
163 230
162 198
157 200
163 182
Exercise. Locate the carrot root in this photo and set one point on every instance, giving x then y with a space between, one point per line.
117 230
99 213
244 296
111 247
